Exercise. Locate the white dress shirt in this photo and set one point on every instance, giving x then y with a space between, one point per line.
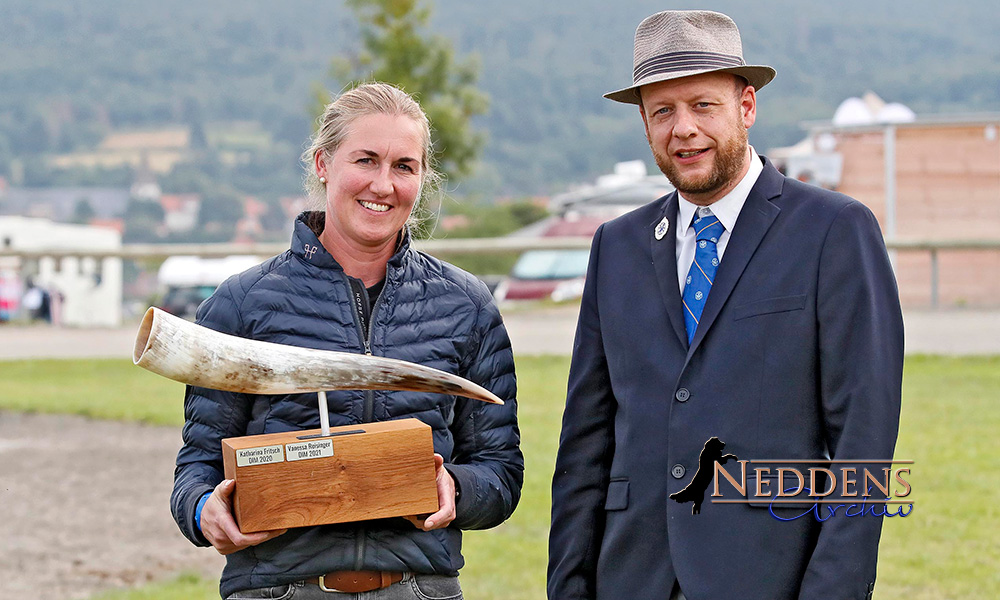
727 209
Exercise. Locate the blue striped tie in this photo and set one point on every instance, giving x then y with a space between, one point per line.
702 273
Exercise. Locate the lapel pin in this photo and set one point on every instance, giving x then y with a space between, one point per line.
661 228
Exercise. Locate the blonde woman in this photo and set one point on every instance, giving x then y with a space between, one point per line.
352 282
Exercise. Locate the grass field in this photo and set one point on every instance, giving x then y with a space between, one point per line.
946 549
949 547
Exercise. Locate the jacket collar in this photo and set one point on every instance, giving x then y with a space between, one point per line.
664 252
306 244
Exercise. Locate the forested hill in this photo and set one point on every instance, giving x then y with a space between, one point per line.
72 70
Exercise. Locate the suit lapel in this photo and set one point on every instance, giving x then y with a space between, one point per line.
664 252
755 219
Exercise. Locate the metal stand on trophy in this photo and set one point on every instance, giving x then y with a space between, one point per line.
327 475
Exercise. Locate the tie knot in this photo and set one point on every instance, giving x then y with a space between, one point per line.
707 226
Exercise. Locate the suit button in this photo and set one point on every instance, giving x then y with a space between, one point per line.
682 395
678 471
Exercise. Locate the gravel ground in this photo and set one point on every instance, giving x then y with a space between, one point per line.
84 506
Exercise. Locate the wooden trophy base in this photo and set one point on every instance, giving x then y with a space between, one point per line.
356 473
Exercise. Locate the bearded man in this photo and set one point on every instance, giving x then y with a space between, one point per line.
746 307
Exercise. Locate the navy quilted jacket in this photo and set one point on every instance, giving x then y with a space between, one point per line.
429 313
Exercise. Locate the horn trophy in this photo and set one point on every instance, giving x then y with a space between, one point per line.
199 356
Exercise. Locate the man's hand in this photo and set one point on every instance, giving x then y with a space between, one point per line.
446 500
219 526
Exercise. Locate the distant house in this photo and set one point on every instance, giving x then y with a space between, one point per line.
292 206
144 184
925 178
249 227
157 149
452 222
180 212
164 138
112 224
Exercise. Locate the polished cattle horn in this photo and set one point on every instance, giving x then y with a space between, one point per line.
199 356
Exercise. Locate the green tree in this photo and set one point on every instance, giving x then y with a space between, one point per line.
143 221
83 211
218 215
193 119
6 156
399 50
495 220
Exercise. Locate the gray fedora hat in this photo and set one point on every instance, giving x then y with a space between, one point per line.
680 43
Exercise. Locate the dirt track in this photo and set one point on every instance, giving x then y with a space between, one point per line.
84 506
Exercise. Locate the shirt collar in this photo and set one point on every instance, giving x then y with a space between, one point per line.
727 208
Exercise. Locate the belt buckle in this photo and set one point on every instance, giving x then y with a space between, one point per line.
322 586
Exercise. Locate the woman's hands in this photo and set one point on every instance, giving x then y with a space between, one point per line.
446 500
219 526
220 529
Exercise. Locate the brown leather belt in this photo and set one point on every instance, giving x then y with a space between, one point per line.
355 582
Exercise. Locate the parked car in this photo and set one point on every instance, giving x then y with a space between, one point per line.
545 274
184 300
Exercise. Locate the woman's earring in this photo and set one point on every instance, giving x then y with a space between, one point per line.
322 180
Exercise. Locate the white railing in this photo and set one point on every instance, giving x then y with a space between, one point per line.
435 247
451 247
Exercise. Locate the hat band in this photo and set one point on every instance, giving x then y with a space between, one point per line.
685 61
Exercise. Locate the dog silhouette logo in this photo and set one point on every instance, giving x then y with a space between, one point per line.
695 490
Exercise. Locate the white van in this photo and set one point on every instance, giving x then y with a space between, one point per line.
189 280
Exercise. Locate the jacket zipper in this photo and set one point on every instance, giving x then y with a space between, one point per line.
369 410
360 542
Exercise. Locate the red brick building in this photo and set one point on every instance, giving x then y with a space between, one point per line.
929 179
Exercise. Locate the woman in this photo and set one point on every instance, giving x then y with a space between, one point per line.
351 282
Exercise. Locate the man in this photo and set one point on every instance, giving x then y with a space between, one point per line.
745 306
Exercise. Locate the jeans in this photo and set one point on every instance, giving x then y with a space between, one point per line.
414 586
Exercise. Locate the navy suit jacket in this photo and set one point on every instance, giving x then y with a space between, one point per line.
798 355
